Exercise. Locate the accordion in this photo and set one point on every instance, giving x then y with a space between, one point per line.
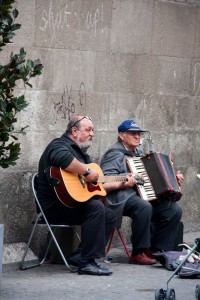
159 176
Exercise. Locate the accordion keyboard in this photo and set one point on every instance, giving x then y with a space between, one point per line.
146 191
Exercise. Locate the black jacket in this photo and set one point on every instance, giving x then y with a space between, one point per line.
59 153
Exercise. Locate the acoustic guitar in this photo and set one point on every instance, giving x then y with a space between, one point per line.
72 188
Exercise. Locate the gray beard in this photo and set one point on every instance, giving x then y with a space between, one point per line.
85 145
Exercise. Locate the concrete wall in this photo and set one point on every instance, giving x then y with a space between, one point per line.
1 250
111 60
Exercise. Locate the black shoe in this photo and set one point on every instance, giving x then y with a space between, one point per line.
94 269
77 261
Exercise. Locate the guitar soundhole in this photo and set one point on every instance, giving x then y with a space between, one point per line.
92 187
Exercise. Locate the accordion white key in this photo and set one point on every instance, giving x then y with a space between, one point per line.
159 176
145 191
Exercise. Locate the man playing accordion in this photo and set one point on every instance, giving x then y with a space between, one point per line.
155 224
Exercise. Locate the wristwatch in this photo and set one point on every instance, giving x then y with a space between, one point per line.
87 172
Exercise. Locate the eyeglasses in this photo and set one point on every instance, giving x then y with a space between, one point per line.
134 132
85 117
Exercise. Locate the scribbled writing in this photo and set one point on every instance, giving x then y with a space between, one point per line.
62 19
66 107
93 19
55 21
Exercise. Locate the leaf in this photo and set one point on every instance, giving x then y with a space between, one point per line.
10 155
15 13
22 52
30 64
15 27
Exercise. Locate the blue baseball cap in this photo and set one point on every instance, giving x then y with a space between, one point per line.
129 125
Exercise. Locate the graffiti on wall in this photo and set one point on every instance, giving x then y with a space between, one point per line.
66 107
61 20
94 18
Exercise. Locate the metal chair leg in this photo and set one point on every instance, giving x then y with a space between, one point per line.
124 244
122 240
22 267
110 242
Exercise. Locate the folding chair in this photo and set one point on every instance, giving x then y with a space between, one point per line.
41 221
116 229
122 240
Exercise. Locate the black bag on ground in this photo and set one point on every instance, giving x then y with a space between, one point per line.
168 259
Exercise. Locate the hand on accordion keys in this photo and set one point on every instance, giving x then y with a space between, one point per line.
134 179
139 179
179 177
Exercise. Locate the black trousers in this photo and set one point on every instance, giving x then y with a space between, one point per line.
166 223
155 224
97 223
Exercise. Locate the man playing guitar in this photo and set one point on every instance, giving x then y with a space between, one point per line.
68 153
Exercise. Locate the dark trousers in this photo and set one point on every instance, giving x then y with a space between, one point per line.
166 223
140 211
154 224
97 223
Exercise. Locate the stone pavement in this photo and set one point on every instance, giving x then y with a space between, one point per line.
128 282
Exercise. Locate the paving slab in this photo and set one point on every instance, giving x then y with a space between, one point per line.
128 282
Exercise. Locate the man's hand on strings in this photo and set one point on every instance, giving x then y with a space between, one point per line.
93 176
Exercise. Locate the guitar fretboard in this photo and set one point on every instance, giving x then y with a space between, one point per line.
104 179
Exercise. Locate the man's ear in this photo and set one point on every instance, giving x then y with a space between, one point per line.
120 134
74 131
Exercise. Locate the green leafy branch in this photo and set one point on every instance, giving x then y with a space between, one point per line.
18 68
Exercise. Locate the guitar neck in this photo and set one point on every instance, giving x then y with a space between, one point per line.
104 179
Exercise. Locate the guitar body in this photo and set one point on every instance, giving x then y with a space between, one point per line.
74 189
